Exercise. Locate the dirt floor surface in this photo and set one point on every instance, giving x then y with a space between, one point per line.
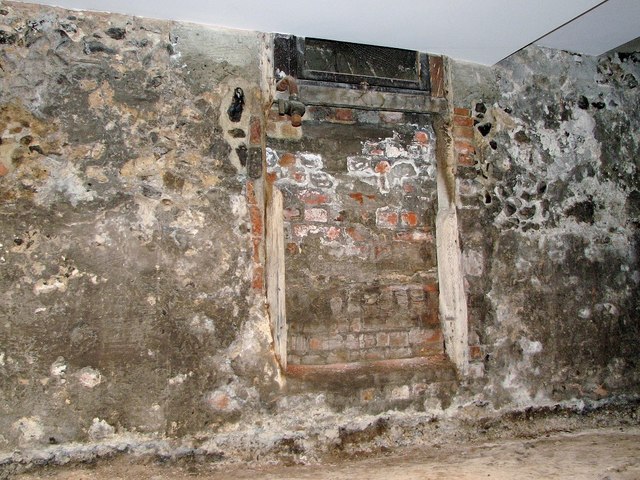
600 454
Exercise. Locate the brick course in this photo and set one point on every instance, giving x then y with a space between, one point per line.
463 137
257 235
465 154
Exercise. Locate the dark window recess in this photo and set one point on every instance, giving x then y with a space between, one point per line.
351 63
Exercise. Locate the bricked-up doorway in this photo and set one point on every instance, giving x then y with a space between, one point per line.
359 211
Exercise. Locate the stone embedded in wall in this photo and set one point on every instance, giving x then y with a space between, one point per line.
100 430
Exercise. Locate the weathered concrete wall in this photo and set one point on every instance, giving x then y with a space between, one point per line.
126 258
548 153
132 254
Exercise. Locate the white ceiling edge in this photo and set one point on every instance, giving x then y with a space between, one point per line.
481 32
600 30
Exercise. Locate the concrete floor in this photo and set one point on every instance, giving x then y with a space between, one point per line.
599 454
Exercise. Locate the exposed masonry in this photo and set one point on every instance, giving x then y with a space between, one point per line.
548 208
133 253
126 227
360 255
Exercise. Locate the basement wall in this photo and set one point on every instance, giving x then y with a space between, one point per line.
132 256
548 150
130 298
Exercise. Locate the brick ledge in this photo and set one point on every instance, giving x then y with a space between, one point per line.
378 366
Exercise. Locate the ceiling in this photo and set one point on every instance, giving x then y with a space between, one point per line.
613 24
476 31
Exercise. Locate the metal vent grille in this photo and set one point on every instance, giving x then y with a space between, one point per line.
351 63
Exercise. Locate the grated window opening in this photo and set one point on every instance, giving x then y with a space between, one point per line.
322 60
